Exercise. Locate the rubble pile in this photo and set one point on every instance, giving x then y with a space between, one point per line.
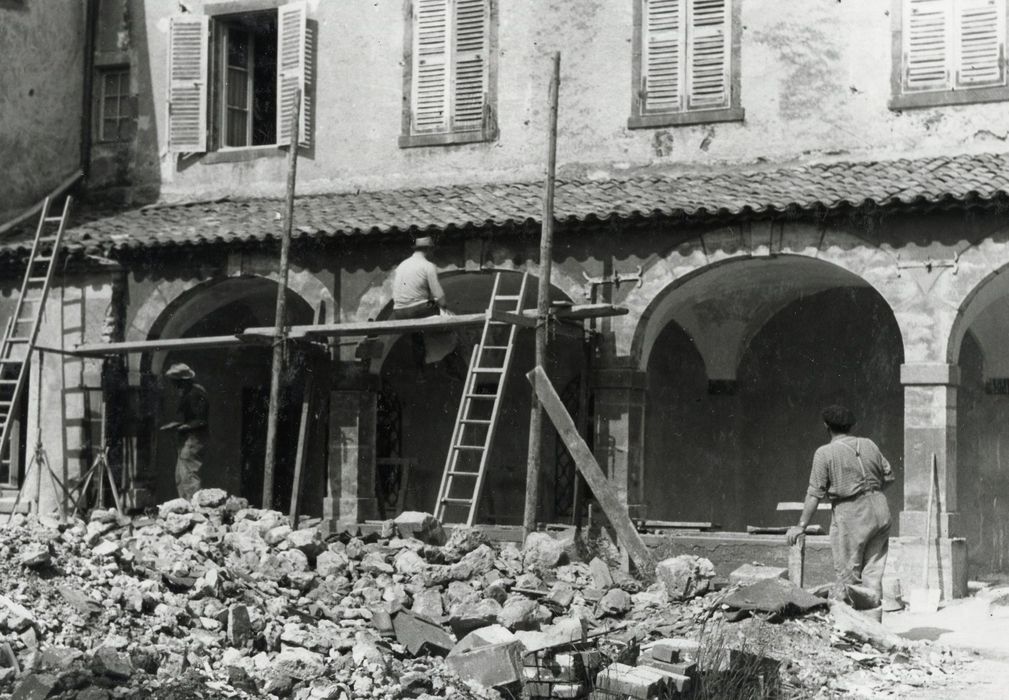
212 598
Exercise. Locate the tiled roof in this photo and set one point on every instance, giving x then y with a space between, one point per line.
815 186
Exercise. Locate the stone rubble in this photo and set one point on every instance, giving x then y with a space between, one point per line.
213 598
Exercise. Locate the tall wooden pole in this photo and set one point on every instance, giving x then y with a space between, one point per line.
542 304
280 322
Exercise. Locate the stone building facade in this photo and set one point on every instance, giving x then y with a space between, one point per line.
795 205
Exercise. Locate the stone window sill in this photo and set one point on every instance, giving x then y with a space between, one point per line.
241 155
708 116
949 97
460 137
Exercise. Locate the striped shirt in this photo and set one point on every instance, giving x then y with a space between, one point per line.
836 472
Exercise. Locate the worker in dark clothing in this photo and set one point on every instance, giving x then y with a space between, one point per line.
417 293
190 428
852 472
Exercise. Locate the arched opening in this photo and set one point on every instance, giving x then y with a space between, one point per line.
982 477
748 354
237 382
422 414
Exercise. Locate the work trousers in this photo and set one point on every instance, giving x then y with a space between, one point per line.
860 540
455 363
189 463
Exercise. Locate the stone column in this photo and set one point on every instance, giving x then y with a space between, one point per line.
350 496
619 423
930 428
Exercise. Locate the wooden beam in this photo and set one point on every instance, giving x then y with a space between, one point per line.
608 500
207 342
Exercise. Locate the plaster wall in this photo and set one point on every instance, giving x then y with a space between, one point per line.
41 91
815 85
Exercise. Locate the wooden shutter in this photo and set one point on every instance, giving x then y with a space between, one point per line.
980 43
663 38
469 64
187 84
708 54
430 79
928 50
293 71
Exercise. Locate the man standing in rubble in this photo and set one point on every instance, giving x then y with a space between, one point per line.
190 428
852 472
417 293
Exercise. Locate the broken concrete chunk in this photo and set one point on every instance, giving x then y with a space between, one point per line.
601 576
240 631
35 556
209 498
331 564
423 526
615 602
299 663
408 562
106 548
685 576
176 505
428 603
466 617
112 664
542 553
485 636
519 614
276 535
752 573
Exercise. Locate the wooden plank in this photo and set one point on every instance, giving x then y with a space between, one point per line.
303 435
780 530
206 342
261 335
608 500
799 505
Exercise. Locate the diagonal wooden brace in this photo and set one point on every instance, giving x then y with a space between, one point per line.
587 465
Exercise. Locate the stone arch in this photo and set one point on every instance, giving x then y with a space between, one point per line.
762 285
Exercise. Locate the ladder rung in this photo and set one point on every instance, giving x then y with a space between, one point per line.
481 396
10 361
43 258
36 279
468 421
31 300
460 501
494 347
15 381
507 297
457 473
17 340
53 219
474 448
487 370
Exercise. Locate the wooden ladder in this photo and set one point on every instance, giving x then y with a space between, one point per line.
479 407
23 326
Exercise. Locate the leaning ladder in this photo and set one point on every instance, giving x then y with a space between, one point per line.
475 423
22 330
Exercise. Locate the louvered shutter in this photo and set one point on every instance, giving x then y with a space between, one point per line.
293 71
430 66
663 32
928 50
469 64
980 43
187 84
708 54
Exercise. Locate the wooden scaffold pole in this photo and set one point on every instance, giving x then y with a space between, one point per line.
280 322
542 304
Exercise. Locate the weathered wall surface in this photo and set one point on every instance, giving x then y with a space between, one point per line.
815 85
41 88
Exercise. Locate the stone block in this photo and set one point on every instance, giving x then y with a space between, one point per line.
423 526
684 576
601 576
681 682
483 637
686 669
536 690
753 573
639 683
665 652
421 636
491 666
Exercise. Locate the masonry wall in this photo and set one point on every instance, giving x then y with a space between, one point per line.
41 88
815 85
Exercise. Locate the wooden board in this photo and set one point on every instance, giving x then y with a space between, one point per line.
780 530
608 500
261 335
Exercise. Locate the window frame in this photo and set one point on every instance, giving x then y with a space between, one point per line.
685 117
900 100
489 131
122 99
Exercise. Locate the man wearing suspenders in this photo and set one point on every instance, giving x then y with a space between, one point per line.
852 473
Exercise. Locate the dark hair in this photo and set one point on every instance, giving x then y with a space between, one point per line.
838 418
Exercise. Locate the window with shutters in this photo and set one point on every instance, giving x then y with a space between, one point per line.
685 62
233 78
449 84
948 52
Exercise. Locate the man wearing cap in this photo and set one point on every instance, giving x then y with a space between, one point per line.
190 428
852 472
417 293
